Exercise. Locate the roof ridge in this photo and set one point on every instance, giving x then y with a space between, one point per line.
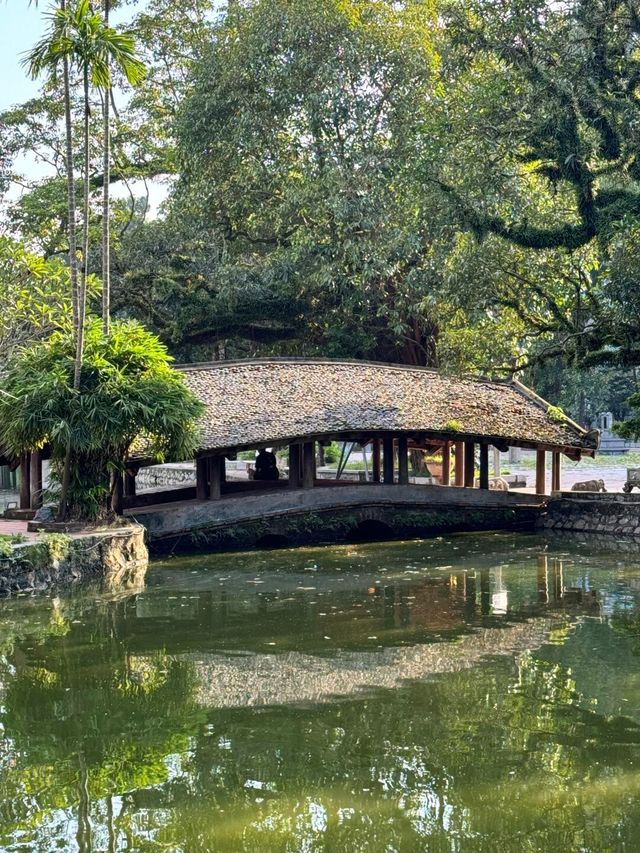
544 404
248 362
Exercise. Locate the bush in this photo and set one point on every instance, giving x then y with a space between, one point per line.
130 398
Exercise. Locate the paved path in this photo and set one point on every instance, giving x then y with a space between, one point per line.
9 527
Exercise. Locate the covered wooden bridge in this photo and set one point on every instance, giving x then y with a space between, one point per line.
299 403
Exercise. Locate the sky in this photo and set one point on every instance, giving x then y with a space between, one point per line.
21 26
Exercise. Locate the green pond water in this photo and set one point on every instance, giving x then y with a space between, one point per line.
475 693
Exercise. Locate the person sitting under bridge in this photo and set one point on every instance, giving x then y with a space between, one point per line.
266 466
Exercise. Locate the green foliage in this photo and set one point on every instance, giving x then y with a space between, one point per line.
57 546
35 297
7 541
452 426
555 414
128 393
630 429
79 33
331 453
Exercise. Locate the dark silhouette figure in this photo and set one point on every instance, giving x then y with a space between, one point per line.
266 467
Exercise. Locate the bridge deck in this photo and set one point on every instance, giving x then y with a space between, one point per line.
169 520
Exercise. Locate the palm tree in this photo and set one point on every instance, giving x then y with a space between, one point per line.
80 39
106 174
45 58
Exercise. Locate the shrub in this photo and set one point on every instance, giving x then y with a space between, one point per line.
129 398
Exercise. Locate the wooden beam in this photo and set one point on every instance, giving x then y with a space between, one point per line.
375 461
202 478
129 484
541 458
308 464
469 464
403 460
446 464
484 466
36 479
387 460
25 481
295 466
556 471
458 476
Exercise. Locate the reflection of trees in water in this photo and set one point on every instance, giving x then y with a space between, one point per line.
507 755
84 725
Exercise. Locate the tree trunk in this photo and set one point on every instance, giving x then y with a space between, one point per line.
106 167
82 294
73 255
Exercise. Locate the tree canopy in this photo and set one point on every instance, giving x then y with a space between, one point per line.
452 184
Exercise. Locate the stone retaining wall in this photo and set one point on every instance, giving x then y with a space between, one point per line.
118 559
593 512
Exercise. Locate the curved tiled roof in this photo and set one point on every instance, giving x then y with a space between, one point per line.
268 401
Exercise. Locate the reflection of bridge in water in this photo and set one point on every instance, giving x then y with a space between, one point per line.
376 635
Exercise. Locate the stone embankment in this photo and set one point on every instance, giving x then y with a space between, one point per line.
116 558
593 512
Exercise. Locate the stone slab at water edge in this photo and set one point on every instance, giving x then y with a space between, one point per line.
116 557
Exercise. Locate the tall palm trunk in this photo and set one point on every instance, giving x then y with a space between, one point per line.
82 293
106 170
73 256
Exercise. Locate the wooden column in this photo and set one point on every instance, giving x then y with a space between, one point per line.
308 464
295 466
446 464
216 477
36 479
541 458
458 475
556 471
129 483
117 491
469 469
375 461
387 460
484 466
403 461
202 478
25 482
496 462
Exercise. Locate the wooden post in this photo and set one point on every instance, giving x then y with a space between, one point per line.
496 462
541 458
216 468
117 491
202 478
484 466
469 464
446 464
375 461
25 482
387 460
403 460
129 483
36 479
458 475
295 465
556 471
308 464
